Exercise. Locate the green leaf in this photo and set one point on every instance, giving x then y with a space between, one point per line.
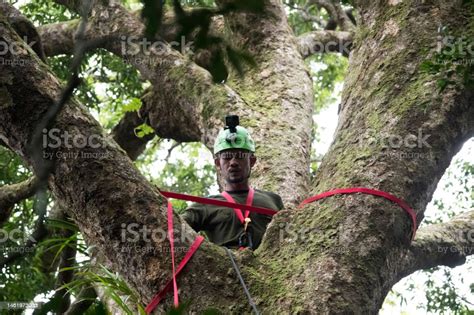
143 130
133 105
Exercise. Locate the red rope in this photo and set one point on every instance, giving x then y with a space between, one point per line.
216 202
197 242
237 211
158 297
368 191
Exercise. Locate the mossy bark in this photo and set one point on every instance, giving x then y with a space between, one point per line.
341 255
279 100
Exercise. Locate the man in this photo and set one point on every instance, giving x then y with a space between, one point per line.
234 158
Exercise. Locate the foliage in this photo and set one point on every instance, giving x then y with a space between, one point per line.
185 168
444 299
195 25
111 88
444 296
454 55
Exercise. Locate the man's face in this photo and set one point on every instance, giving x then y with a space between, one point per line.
235 165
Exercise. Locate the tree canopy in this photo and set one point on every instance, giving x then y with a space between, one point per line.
152 88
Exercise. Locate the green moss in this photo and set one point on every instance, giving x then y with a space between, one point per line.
373 119
361 34
415 97
216 96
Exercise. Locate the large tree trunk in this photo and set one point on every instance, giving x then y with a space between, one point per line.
341 255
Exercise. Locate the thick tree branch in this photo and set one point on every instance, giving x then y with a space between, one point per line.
446 244
178 84
101 189
58 38
336 11
123 133
384 99
325 42
11 194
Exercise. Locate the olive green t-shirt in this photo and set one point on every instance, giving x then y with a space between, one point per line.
221 224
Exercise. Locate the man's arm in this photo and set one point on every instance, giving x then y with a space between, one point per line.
194 216
277 199
280 203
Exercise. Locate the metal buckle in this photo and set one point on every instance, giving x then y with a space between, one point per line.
246 223
245 240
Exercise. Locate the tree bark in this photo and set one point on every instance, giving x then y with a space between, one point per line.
101 189
11 194
353 262
341 255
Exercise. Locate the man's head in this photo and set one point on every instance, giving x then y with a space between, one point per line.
235 165
234 151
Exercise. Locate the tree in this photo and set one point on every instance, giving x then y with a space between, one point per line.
408 92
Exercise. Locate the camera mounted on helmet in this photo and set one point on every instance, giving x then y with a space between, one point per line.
233 136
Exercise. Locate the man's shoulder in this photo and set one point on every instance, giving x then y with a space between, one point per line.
201 206
268 193
273 196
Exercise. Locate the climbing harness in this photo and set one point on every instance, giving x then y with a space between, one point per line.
238 208
245 240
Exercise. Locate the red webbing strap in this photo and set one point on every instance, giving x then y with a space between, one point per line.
374 192
216 202
171 239
237 211
197 242
157 298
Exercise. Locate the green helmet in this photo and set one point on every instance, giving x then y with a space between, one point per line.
240 139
